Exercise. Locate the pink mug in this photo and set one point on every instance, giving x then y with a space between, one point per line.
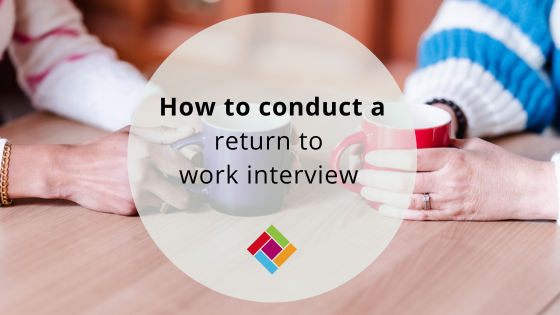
432 127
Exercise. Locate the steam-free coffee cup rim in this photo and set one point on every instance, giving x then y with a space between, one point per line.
263 125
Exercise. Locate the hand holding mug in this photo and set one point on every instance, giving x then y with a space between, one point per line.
95 173
430 128
235 148
152 162
472 180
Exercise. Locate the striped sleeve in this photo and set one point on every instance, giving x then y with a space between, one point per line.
489 57
65 70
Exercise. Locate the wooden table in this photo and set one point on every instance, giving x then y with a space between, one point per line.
59 258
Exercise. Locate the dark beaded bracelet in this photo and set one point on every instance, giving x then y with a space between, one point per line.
462 124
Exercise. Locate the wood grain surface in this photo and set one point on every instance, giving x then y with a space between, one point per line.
58 258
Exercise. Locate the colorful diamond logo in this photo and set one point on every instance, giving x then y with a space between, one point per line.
271 249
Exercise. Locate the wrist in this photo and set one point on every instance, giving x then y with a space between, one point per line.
38 171
541 197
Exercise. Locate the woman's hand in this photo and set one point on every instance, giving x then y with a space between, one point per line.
94 174
101 180
475 180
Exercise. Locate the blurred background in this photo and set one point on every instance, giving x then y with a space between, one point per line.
145 32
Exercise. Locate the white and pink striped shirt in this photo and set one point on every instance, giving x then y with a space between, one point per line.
64 69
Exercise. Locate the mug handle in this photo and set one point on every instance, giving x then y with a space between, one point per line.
200 140
356 138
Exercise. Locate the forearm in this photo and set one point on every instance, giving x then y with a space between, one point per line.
540 200
37 171
65 70
485 83
97 90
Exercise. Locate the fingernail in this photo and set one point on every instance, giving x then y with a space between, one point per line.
391 212
363 191
370 194
360 177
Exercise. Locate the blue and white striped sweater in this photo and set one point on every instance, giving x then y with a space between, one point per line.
499 60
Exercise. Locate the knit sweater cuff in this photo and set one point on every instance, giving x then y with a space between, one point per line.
556 160
490 108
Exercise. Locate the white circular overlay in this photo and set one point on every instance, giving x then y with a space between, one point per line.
321 235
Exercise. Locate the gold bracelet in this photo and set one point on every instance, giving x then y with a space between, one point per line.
4 174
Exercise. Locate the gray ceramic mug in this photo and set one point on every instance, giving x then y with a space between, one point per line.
243 198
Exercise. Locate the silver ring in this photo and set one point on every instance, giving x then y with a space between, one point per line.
426 201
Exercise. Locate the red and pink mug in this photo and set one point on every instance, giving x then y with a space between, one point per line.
430 128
